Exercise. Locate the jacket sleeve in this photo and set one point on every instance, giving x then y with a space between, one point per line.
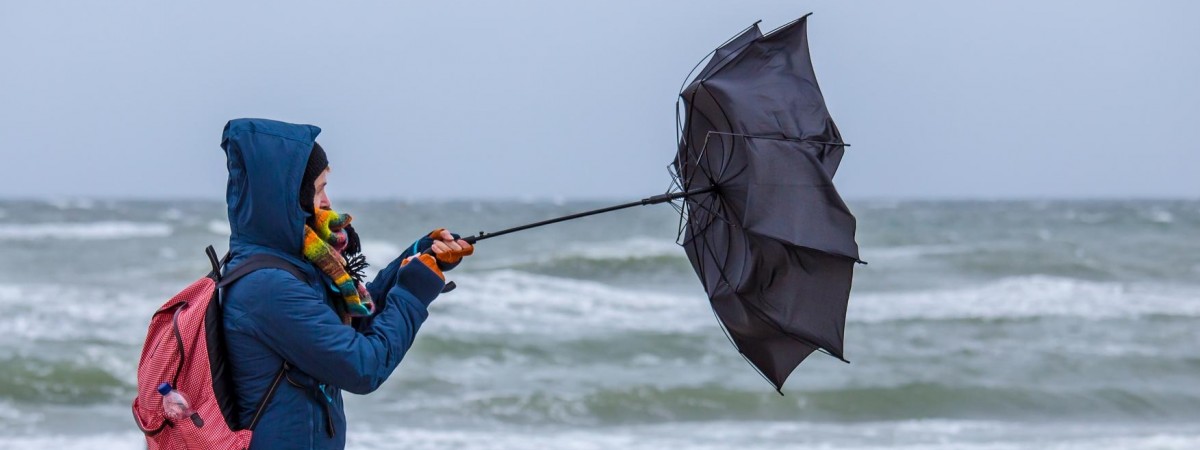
378 288
386 278
298 325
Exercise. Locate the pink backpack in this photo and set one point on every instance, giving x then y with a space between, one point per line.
185 347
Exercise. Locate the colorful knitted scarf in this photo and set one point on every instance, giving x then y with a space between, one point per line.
324 247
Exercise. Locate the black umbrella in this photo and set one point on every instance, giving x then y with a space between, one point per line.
773 243
761 222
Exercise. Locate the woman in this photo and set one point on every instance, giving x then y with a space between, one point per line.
330 332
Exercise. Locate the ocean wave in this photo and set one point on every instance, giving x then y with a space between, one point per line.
509 301
76 381
772 435
84 231
172 214
631 404
634 247
1028 297
904 252
744 439
640 260
713 435
71 203
631 249
54 313
1157 215
105 441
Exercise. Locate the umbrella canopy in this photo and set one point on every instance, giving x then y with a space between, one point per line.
768 235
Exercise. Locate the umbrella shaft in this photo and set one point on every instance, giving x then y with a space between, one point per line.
645 201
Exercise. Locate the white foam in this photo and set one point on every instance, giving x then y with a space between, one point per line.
10 414
634 247
67 314
903 435
108 441
379 253
171 214
908 252
84 231
1028 296
71 203
746 435
508 301
1158 215
637 247
220 227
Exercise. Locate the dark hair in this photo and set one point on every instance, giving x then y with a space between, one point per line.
317 162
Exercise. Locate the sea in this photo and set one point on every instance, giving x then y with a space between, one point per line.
976 325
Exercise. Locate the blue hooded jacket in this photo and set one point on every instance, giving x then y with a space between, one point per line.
272 317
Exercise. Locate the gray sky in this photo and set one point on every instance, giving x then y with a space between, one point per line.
576 99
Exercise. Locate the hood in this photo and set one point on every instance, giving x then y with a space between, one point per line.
266 161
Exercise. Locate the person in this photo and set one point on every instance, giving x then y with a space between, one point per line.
331 333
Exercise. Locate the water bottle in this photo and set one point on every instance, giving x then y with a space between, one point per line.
175 406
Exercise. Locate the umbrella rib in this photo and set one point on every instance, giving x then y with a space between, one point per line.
780 138
714 51
679 208
721 270
728 123
700 168
732 342
715 214
708 135
713 198
703 152
725 162
787 25
697 228
760 313
735 175
700 229
766 319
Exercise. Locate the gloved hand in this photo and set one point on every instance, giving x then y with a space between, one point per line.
428 261
414 276
447 247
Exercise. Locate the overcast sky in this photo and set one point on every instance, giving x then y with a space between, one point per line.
568 99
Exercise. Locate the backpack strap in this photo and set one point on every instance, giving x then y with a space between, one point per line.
252 263
260 261
262 404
